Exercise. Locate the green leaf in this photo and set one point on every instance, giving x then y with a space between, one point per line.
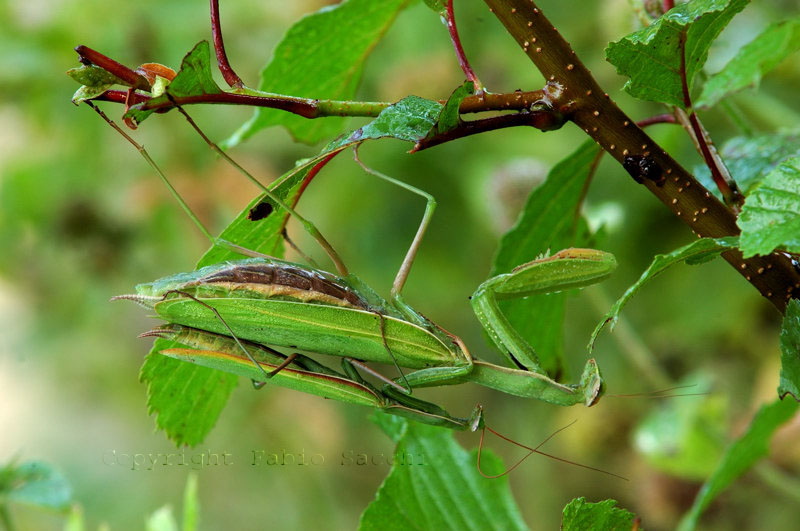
187 399
94 81
697 252
193 79
751 158
740 456
651 57
790 352
449 117
434 484
580 514
770 217
410 119
263 235
437 5
683 436
546 224
35 483
755 59
329 48
94 76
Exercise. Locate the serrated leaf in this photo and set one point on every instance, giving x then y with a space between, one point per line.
651 57
790 352
329 47
449 118
35 483
579 515
546 224
697 252
410 119
434 484
193 79
740 456
751 158
186 398
770 217
753 60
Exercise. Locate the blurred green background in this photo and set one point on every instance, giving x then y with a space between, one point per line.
82 218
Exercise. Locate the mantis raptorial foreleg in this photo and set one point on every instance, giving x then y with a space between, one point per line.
567 269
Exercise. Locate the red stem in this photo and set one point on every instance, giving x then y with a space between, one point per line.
668 4
658 119
462 58
231 77
543 120
306 181
729 194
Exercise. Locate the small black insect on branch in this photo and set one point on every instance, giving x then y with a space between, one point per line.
641 168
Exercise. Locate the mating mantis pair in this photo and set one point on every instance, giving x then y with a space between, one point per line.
272 302
232 310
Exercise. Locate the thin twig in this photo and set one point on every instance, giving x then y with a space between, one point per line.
231 77
312 108
719 173
657 119
450 19
542 120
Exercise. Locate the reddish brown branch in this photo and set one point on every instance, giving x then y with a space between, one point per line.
657 119
131 78
231 77
543 120
584 102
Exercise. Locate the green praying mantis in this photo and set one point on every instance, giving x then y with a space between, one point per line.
223 316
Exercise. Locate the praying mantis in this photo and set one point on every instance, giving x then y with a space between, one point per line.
265 301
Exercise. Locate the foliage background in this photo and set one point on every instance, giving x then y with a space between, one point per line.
82 219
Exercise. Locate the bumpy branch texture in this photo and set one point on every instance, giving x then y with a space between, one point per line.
583 102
